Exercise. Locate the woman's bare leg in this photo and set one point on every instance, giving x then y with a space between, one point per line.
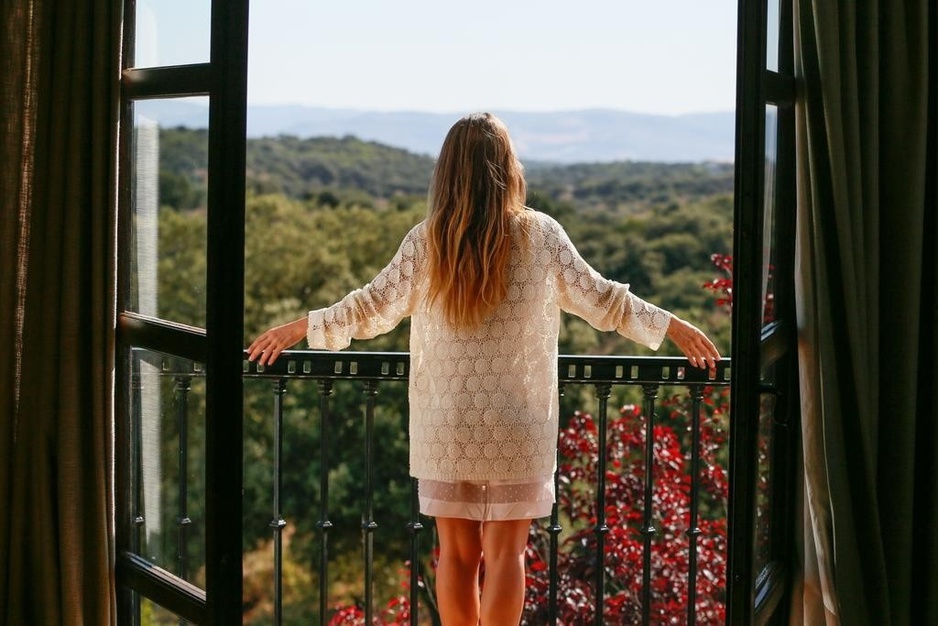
457 574
503 545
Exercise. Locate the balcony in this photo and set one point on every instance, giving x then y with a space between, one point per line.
659 535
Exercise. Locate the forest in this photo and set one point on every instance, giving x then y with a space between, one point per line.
323 216
337 208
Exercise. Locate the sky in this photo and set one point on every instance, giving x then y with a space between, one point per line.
647 56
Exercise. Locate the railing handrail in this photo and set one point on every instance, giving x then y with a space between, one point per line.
571 368
580 368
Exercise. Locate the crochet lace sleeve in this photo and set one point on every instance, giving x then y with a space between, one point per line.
377 307
606 304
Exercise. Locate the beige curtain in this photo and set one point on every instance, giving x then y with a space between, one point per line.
59 73
866 297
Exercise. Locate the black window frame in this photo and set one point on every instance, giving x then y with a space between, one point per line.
219 345
756 597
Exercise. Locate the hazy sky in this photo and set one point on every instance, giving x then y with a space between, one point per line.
650 56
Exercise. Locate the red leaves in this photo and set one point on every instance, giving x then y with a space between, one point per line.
724 284
347 615
625 518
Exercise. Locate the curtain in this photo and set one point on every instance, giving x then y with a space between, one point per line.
59 79
866 287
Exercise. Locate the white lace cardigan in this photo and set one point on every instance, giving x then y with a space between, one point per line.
484 402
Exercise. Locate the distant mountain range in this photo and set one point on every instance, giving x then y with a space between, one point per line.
580 136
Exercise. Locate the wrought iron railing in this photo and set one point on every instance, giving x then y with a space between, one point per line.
604 373
371 370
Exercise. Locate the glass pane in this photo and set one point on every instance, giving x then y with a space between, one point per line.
152 614
168 462
763 529
769 243
172 32
168 239
771 44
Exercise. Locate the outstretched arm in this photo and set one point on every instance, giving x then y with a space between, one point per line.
694 343
608 305
372 310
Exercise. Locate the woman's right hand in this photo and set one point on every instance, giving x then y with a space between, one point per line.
271 343
695 345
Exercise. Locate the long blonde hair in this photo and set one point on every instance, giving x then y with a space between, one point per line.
478 186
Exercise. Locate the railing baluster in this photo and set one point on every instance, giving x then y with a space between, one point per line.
650 393
183 384
693 530
137 519
277 523
603 392
368 522
554 529
324 525
414 527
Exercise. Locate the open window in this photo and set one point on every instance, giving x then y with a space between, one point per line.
764 405
179 381
178 452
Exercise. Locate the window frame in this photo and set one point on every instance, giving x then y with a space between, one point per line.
219 345
755 597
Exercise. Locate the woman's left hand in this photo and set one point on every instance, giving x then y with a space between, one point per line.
271 343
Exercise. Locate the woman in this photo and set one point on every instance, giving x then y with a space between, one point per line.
484 280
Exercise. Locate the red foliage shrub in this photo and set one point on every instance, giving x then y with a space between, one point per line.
623 549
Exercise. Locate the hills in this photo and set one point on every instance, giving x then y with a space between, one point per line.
581 136
367 171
